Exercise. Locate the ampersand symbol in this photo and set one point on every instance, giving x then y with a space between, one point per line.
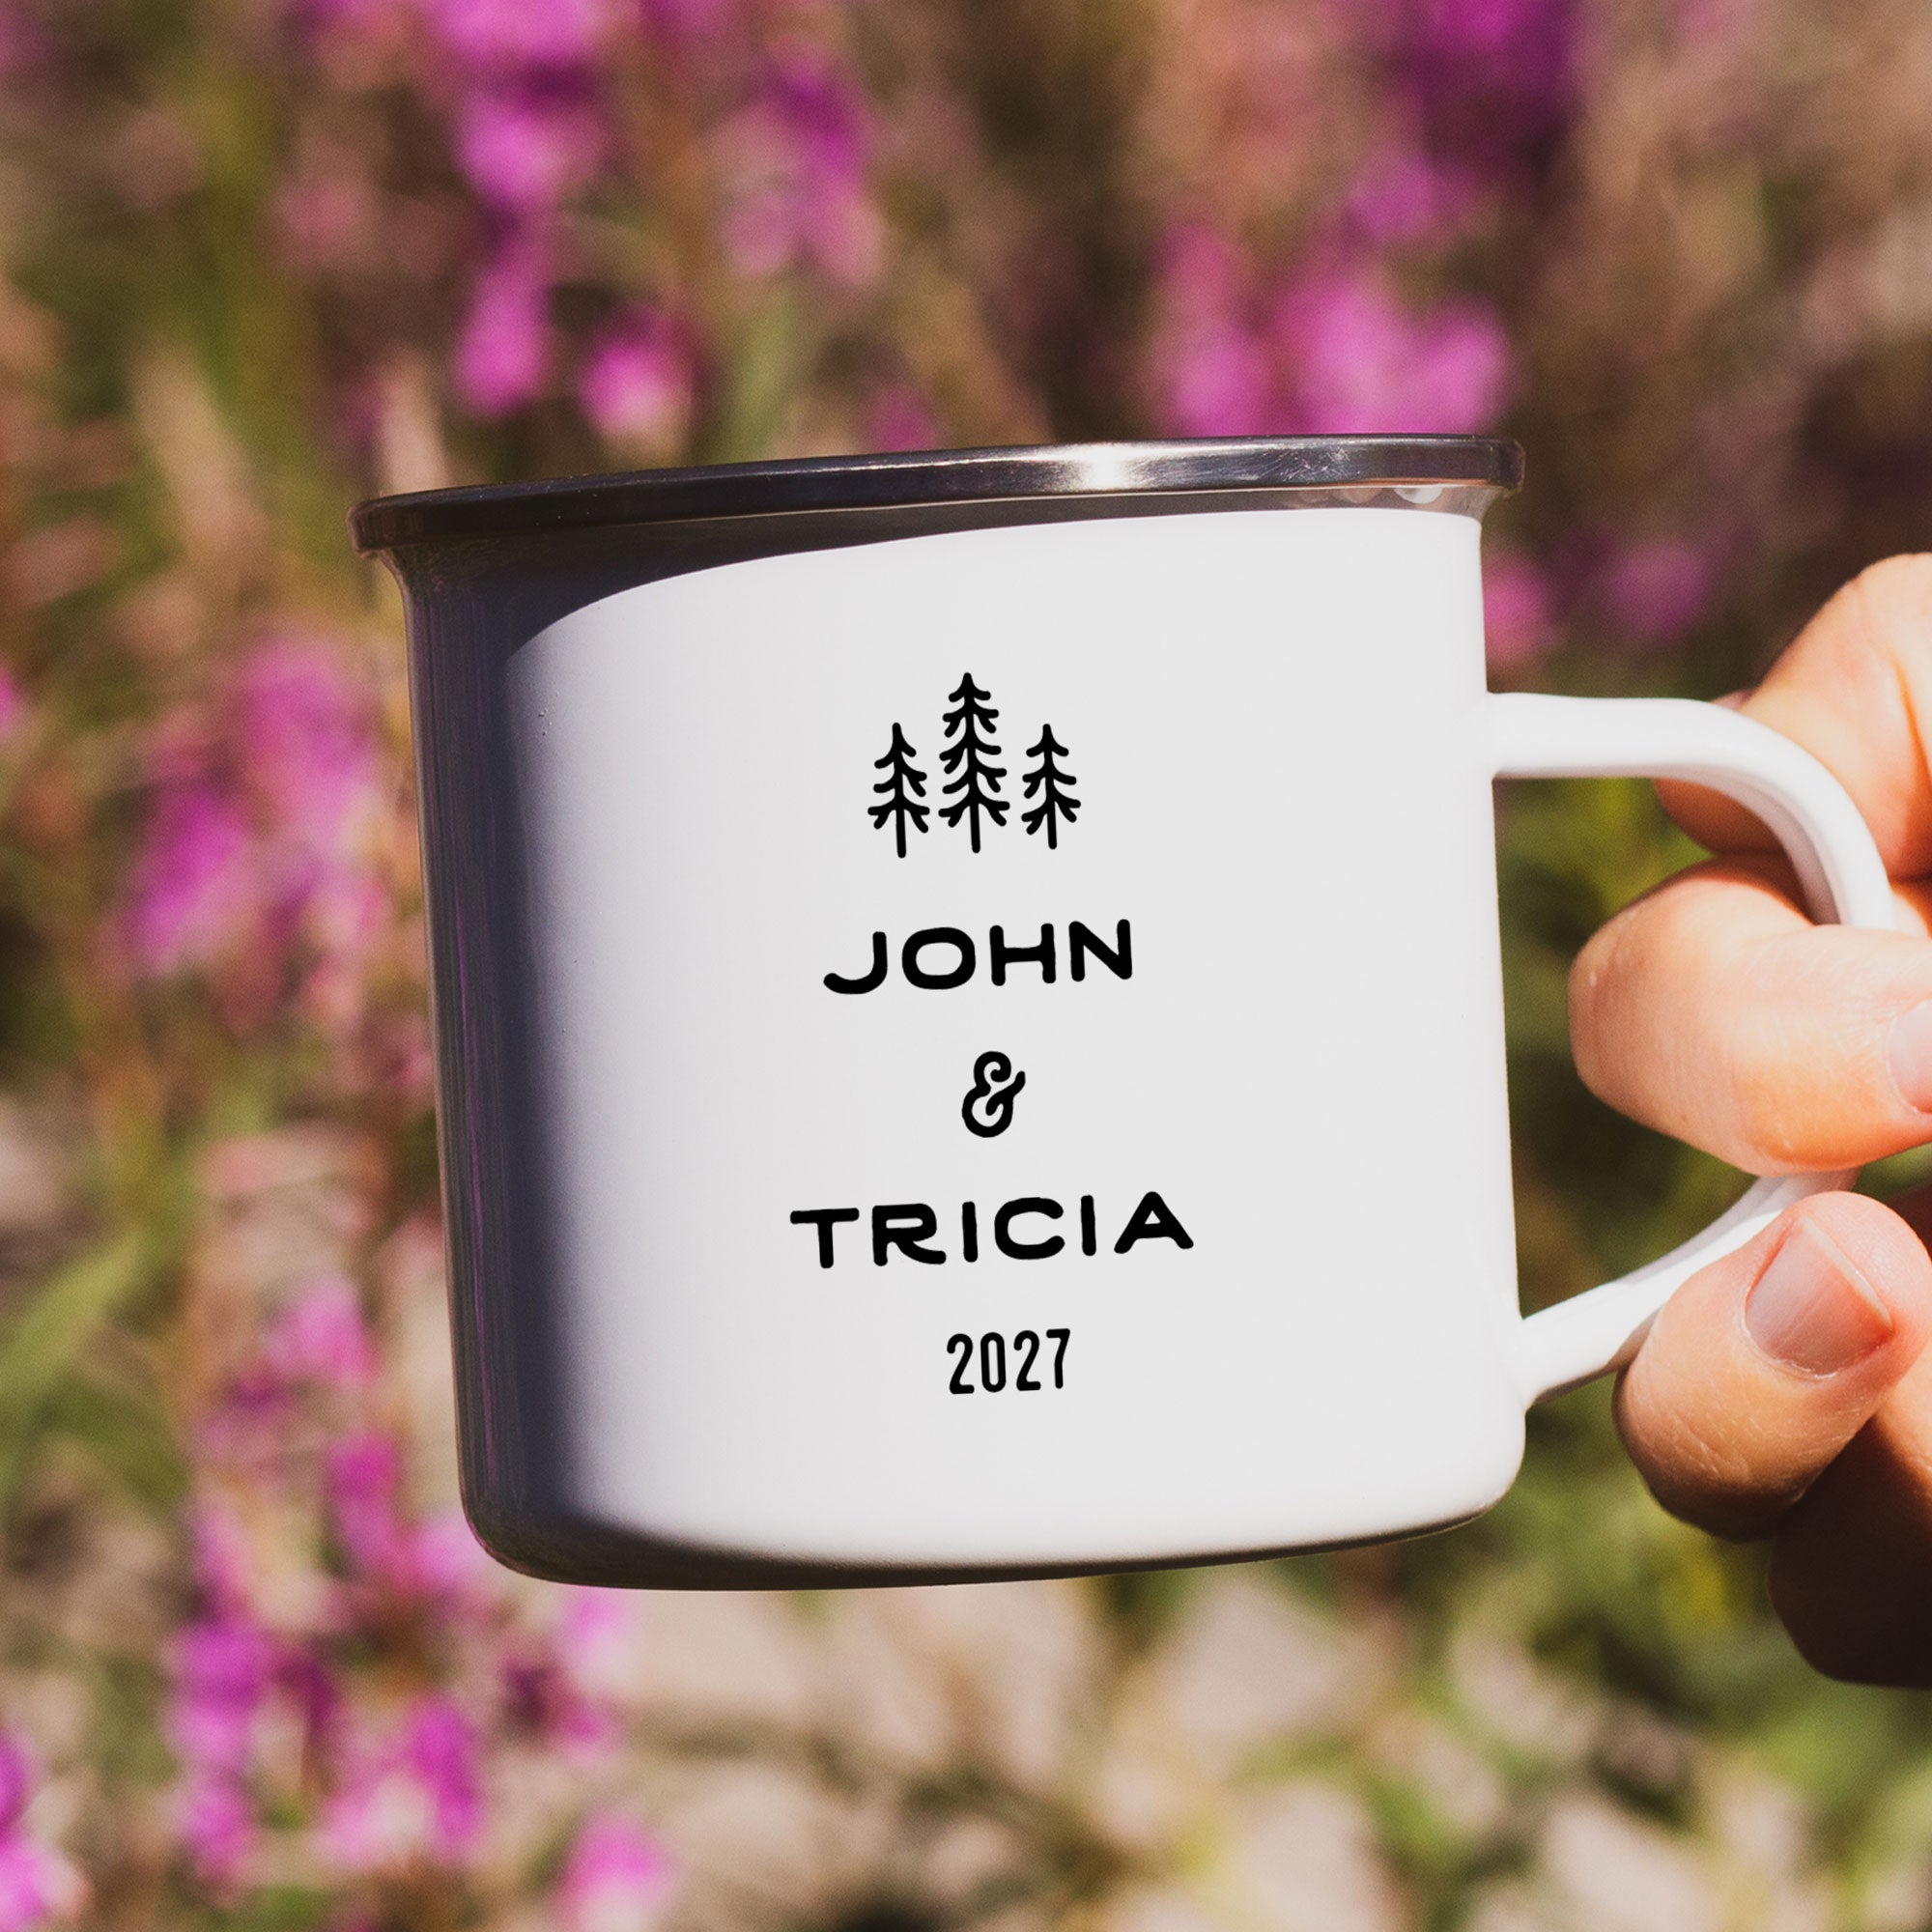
988 1106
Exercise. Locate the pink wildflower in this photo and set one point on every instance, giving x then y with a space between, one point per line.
1215 374
16 1782
597 1642
196 886
362 1477
13 704
798 156
563 1686
540 1703
1522 46
435 1560
415 1799
216 1828
1217 381
614 1880
305 731
636 387
1656 591
221 1669
321 1337
444 1558
502 355
1516 612
524 152
1364 363
220 1560
1405 196
1202 277
1490 79
235 854
345 909
443 1753
29 40
900 419
522 33
37 1885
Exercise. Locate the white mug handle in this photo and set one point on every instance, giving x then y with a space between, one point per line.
1844 883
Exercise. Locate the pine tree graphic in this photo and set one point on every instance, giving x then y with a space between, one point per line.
904 783
978 782
1053 787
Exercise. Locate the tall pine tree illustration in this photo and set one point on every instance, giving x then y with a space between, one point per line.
1053 786
904 783
968 754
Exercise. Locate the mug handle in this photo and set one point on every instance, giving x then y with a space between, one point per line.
1844 882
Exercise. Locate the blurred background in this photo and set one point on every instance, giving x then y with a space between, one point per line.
261 257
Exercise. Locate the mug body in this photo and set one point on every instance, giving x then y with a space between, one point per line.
969 1026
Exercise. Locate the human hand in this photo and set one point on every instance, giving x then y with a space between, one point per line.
1786 1390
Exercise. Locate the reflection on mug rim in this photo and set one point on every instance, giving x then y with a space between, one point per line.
1482 465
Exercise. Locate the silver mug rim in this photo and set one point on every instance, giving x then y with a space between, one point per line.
928 478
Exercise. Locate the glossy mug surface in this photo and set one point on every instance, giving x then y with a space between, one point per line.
929 974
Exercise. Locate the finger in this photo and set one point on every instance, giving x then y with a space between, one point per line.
1764 1365
1853 690
1851 1572
1713 1011
1851 1569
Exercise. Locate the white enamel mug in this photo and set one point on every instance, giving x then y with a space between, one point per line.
927 952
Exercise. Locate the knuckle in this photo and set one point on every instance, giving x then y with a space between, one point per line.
1894 597
1883 620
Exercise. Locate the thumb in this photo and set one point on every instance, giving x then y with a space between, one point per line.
1764 1365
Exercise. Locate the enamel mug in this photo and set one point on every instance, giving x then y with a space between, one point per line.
925 952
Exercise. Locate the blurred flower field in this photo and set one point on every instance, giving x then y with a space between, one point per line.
261 257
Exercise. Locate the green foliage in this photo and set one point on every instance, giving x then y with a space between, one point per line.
52 1339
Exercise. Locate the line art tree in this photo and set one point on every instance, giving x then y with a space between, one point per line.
904 784
1054 787
970 756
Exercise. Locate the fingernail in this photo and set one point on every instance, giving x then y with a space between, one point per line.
1908 1052
1812 1310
